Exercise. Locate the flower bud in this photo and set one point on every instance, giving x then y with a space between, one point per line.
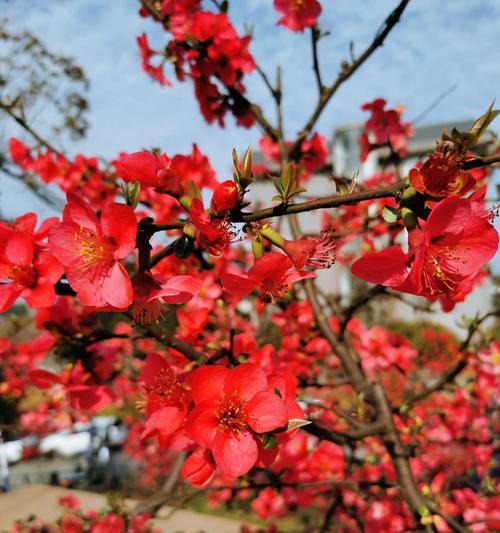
225 196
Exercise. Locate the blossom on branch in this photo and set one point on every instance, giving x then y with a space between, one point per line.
456 241
297 15
91 248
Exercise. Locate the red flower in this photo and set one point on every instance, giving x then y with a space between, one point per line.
315 252
214 235
272 274
150 171
386 127
81 396
165 399
225 196
20 153
298 14
90 248
456 242
199 468
148 294
26 269
314 153
156 72
233 407
442 174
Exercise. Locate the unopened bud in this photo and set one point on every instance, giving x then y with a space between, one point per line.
131 191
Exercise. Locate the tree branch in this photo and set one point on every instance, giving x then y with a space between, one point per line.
30 130
315 36
346 72
321 203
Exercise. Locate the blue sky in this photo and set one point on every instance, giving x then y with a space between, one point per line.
436 45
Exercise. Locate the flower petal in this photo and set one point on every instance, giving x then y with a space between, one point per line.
266 412
387 267
247 380
117 287
208 383
235 454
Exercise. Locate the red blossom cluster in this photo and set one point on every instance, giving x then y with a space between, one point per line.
74 519
173 302
206 49
384 128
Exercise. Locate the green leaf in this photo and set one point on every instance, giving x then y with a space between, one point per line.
482 123
269 441
409 218
341 186
294 423
389 214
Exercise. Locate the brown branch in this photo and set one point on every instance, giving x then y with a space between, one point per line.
315 36
482 162
341 438
30 130
167 339
321 203
156 258
346 72
359 302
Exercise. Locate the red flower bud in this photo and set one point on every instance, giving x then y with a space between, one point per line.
225 196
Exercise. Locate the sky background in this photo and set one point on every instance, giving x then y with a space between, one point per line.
435 46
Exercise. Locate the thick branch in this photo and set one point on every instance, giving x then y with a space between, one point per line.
322 203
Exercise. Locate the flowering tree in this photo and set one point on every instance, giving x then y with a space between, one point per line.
252 384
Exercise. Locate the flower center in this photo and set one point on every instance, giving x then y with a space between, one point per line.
270 291
92 249
165 390
232 414
23 276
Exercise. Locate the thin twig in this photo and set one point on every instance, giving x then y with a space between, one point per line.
346 72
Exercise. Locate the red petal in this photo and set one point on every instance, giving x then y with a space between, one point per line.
235 454
247 380
48 267
139 166
237 285
43 379
8 295
451 215
19 249
208 383
80 212
43 295
178 290
153 366
202 423
387 267
165 421
266 411
272 265
118 222
199 468
117 287
89 398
